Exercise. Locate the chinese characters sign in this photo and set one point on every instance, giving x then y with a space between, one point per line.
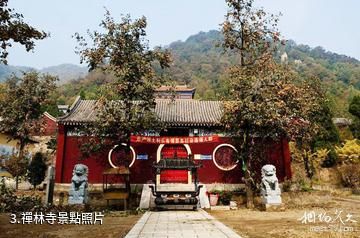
84 218
334 222
173 139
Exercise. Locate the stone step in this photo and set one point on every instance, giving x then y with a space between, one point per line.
175 187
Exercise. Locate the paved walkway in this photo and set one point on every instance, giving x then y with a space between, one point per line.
176 224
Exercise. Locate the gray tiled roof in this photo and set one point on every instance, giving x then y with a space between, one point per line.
182 112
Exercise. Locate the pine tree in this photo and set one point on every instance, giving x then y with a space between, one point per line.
36 170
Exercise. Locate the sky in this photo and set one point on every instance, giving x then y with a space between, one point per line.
331 24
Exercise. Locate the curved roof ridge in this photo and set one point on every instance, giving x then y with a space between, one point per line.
181 112
71 109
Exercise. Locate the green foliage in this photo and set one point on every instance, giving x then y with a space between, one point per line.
200 63
268 100
16 165
349 152
225 197
13 28
36 170
350 175
127 99
355 128
354 109
327 132
327 135
331 158
21 103
250 32
9 202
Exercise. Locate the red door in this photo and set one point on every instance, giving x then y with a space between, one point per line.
174 175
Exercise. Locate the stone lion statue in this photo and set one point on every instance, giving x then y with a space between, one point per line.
270 189
78 193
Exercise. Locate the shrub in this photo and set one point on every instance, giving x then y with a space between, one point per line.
9 202
36 170
331 159
349 152
350 175
225 197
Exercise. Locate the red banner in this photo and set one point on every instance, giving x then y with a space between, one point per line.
174 139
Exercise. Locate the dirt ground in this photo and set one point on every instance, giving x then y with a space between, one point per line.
247 223
114 225
288 223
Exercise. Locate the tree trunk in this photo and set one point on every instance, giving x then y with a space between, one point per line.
309 173
249 190
249 182
17 182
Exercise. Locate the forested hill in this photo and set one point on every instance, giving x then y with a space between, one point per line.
65 72
201 62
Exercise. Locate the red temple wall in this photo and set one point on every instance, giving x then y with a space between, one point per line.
68 155
50 126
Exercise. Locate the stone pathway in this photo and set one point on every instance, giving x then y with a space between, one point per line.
176 224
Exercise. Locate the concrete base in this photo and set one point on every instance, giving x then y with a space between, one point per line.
233 205
175 187
272 200
220 208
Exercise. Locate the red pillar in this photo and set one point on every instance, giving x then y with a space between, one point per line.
287 158
60 152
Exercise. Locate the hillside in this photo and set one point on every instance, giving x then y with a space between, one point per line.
65 72
201 63
7 70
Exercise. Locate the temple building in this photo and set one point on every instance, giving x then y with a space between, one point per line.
193 131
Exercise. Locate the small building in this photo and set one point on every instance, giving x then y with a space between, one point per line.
177 92
342 122
63 109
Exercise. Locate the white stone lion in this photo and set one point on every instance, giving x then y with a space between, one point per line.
270 189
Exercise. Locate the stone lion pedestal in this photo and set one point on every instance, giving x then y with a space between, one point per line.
270 190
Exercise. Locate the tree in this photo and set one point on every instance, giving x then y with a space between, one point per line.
13 28
127 100
269 102
249 31
354 109
36 170
20 106
16 166
327 135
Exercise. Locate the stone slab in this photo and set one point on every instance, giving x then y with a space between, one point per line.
182 224
175 187
145 197
220 208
